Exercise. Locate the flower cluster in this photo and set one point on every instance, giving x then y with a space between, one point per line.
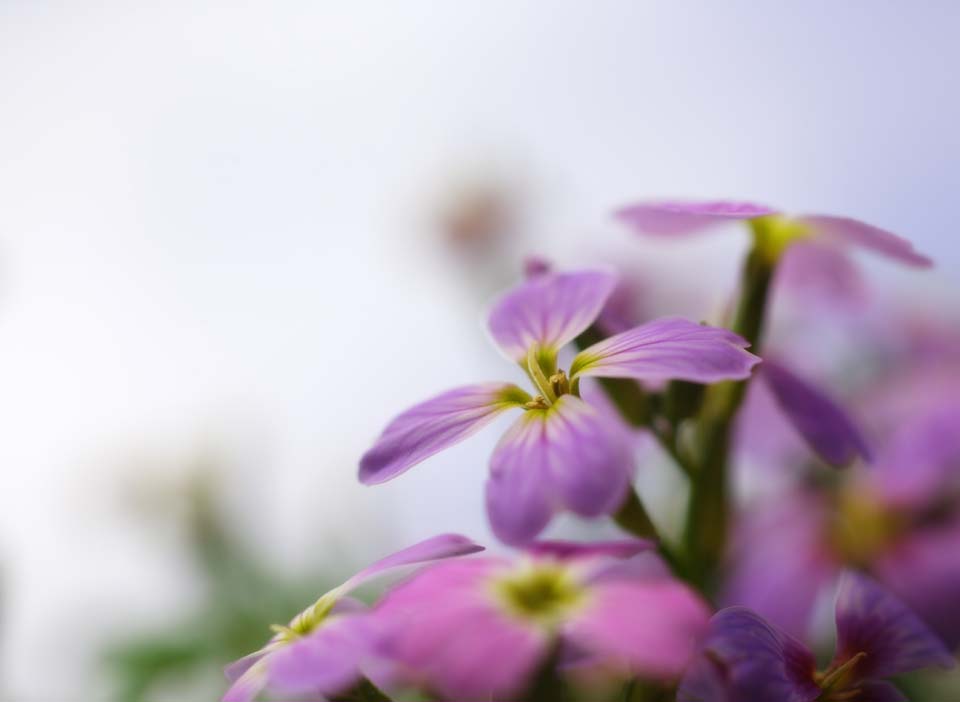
636 618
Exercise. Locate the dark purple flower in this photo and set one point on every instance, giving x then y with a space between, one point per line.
483 627
320 651
774 230
743 657
561 454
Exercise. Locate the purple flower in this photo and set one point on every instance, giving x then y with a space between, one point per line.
560 454
484 627
899 519
745 658
774 230
320 651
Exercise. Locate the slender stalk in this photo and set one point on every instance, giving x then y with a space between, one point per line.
705 533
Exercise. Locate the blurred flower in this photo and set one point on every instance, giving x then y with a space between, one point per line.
773 231
745 658
900 520
489 626
321 650
560 454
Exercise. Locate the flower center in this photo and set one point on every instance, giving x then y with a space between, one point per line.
839 683
862 527
773 234
539 592
551 388
305 622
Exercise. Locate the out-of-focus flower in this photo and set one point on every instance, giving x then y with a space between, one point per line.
745 658
774 232
485 627
560 454
899 519
320 651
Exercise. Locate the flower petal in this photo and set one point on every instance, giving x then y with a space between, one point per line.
432 549
548 310
745 658
825 426
920 460
570 550
564 457
247 686
855 233
871 620
923 571
436 424
671 217
443 628
650 627
824 274
780 562
325 662
668 349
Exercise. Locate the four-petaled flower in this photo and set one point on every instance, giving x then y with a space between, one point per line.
560 454
773 230
483 628
743 657
320 651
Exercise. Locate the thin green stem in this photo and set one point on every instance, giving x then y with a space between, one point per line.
705 533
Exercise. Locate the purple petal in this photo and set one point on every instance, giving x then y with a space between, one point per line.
920 461
571 550
548 310
822 273
652 627
855 233
235 670
666 217
826 427
923 570
246 687
432 549
564 457
781 561
872 621
745 658
445 630
325 662
434 425
668 349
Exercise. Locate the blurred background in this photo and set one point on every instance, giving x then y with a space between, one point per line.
236 238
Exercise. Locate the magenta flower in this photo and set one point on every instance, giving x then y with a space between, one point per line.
677 218
900 520
745 658
482 628
320 651
560 454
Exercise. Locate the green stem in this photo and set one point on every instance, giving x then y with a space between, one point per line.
705 533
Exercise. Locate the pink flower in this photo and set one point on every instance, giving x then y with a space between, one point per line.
485 627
